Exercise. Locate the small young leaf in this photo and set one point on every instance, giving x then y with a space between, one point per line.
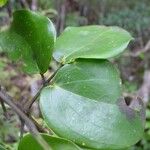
30 38
29 143
90 42
84 105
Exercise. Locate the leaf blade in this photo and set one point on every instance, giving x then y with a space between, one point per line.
88 121
30 35
98 42
55 142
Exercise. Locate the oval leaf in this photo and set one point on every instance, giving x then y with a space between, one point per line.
28 142
90 42
30 38
83 105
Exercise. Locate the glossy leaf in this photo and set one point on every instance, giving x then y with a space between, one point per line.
2 2
29 143
30 38
99 42
84 105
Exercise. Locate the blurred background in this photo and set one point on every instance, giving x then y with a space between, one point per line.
134 64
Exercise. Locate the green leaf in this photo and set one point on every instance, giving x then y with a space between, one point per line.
28 142
30 38
2 2
98 42
84 105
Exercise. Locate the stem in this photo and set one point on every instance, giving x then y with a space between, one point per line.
38 126
8 100
21 128
4 108
30 103
43 79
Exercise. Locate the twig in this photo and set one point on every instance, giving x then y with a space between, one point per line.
3 106
9 9
38 126
34 5
140 51
41 128
43 79
4 109
21 128
62 10
24 3
144 91
8 100
30 103
51 77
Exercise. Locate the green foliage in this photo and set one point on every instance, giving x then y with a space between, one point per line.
126 18
56 143
98 42
30 38
2 2
84 102
83 105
